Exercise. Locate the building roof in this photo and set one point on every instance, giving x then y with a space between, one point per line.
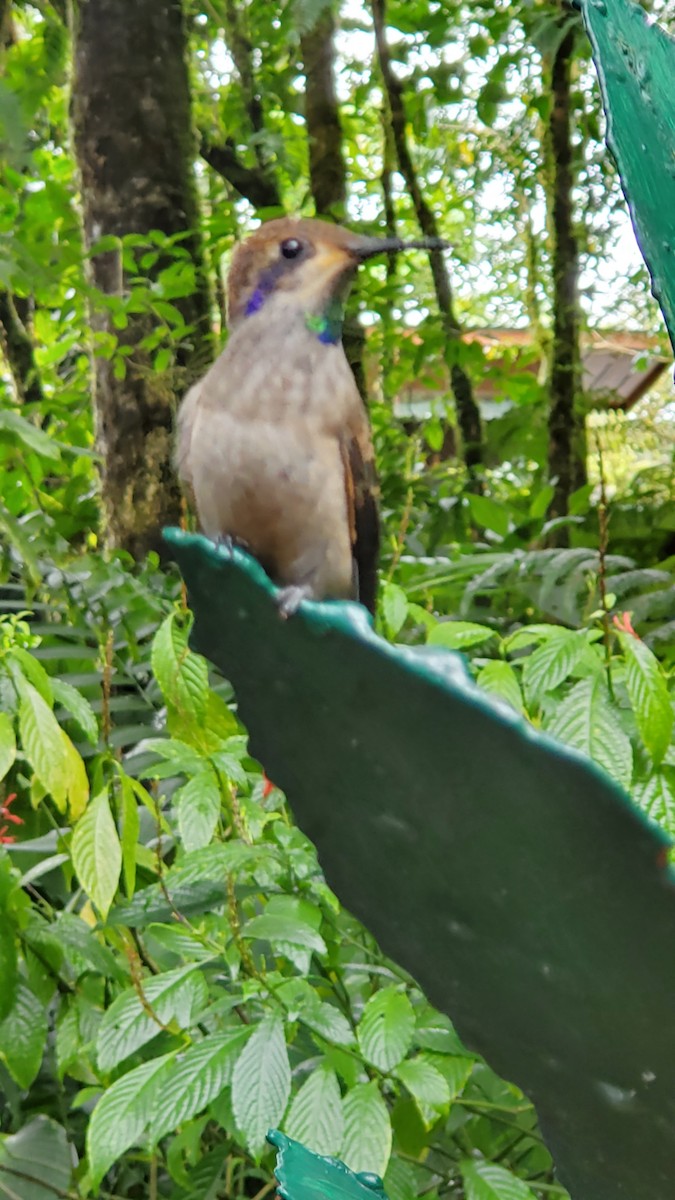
618 368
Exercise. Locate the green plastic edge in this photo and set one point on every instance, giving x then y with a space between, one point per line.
627 82
442 668
325 1175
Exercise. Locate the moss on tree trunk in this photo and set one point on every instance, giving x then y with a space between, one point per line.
135 148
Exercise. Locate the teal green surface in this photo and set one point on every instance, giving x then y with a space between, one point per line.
512 878
303 1175
635 61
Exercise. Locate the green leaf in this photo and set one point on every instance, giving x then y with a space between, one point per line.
176 995
23 1035
178 756
487 1181
197 806
179 941
195 1079
649 696
97 854
455 1069
302 1003
425 1083
586 720
400 1181
489 514
277 928
366 1145
182 675
261 1084
541 500
326 1020
459 635
197 882
78 707
8 966
42 1158
77 782
33 671
434 1031
315 1117
499 679
292 925
43 743
394 608
531 633
7 744
131 824
123 1114
32 437
552 662
656 796
386 1028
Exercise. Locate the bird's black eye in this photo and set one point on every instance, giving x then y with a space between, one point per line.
291 248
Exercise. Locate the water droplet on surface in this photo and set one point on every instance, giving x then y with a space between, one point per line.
546 970
648 1076
617 1097
458 930
369 1179
394 824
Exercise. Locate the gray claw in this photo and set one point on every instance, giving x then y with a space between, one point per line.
290 598
224 541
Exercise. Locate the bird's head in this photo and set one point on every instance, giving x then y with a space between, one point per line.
306 265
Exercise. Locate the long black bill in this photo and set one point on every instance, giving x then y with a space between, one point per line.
368 247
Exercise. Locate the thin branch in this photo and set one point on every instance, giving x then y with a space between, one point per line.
253 183
603 545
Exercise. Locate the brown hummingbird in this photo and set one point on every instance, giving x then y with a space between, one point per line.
274 444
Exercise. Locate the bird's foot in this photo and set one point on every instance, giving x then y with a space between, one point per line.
290 598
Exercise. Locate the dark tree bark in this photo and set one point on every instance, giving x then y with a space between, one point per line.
566 458
135 149
16 342
327 170
468 414
6 26
17 346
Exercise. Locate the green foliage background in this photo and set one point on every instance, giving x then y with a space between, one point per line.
175 975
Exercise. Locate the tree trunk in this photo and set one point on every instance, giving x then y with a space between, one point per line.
565 455
327 168
327 171
468 413
135 148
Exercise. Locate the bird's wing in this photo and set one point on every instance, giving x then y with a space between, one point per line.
184 425
362 492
